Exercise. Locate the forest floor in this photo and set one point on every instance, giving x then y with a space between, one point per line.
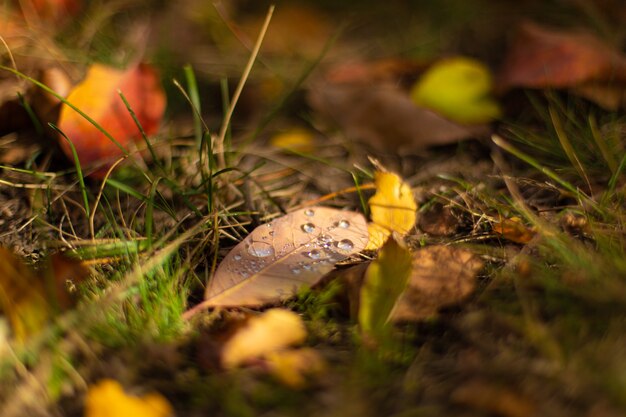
105 263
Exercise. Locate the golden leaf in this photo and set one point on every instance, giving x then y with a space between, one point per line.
291 367
299 140
22 297
392 207
274 330
107 398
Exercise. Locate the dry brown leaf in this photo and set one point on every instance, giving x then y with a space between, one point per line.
541 57
383 117
438 220
441 275
282 256
295 29
492 399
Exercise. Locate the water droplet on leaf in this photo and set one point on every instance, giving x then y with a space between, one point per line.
314 254
345 244
309 212
308 227
343 223
260 249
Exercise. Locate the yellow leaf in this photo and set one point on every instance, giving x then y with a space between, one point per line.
384 282
107 399
269 332
292 366
459 89
22 297
393 206
299 140
378 236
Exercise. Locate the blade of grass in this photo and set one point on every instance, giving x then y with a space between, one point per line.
148 220
141 131
194 97
567 146
219 148
79 171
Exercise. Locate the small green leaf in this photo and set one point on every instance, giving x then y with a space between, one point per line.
459 89
385 280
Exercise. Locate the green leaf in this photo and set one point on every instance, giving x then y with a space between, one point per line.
385 280
459 89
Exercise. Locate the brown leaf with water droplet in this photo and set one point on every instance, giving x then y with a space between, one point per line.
441 276
291 252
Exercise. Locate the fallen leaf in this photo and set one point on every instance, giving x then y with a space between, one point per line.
384 282
107 398
289 253
97 96
291 367
378 235
541 57
492 399
295 30
51 10
392 207
514 230
22 297
438 220
30 299
441 276
66 274
269 332
383 117
458 88
297 139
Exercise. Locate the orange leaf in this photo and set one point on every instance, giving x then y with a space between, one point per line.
97 96
512 229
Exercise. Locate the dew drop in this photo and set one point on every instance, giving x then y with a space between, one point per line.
295 271
308 227
345 244
245 274
237 257
307 267
309 212
314 254
325 239
260 249
343 223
